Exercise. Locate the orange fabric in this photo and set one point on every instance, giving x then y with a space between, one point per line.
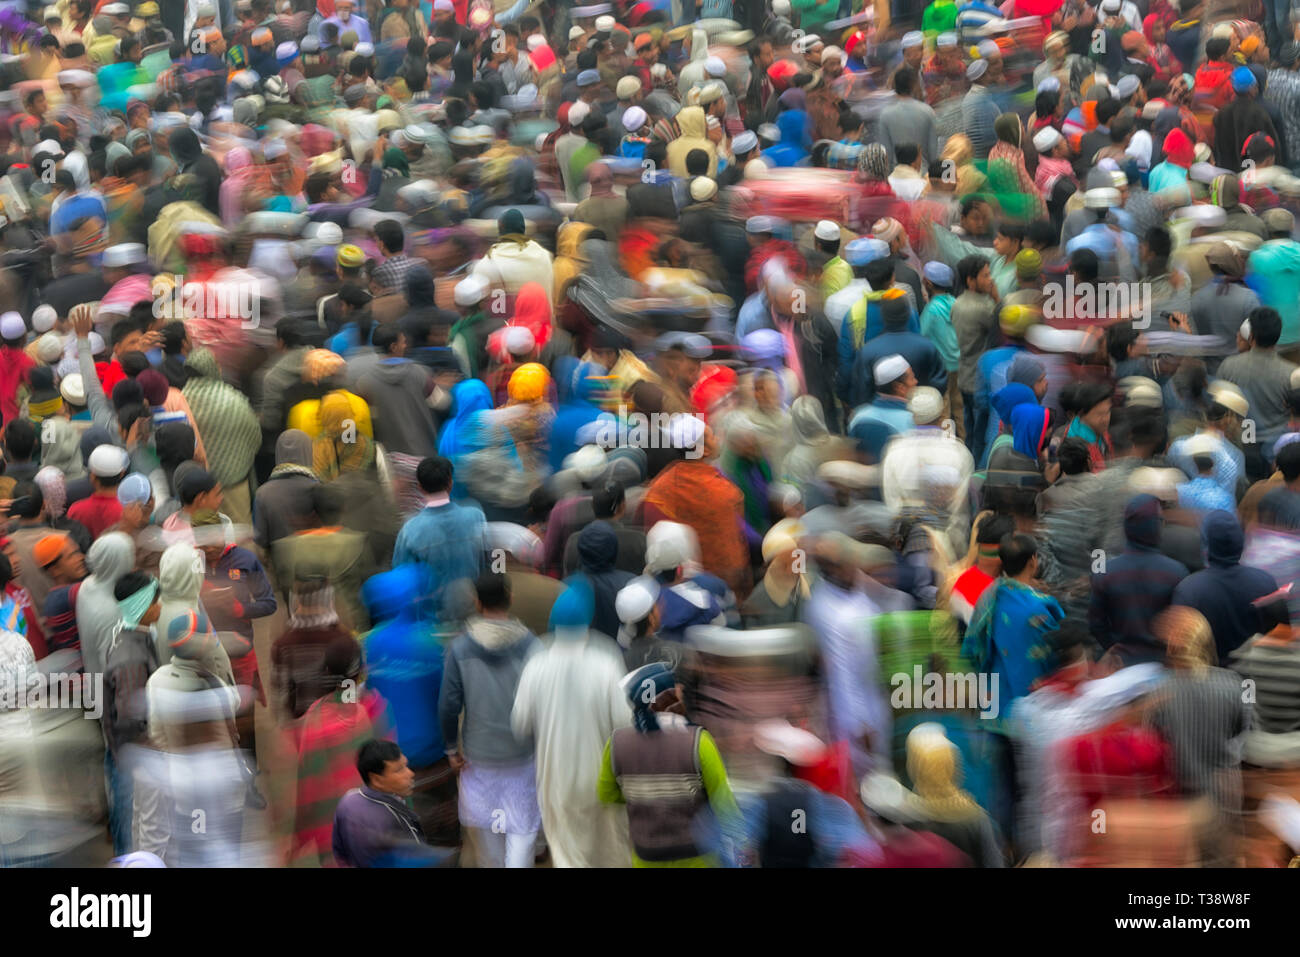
695 493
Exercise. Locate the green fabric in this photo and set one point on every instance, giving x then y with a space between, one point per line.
939 17
836 274
230 430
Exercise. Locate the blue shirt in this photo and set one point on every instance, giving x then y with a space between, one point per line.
448 539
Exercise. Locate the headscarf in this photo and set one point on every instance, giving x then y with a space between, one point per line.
1008 129
933 765
1029 428
1008 397
54 489
467 397
569 257
341 446
643 687
809 420
1178 148
873 163
135 605
533 312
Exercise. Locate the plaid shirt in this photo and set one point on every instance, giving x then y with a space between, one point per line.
1283 91
390 275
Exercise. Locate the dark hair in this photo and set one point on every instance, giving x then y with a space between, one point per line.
1045 103
1011 230
970 202
1084 262
493 590
1288 460
374 757
127 393
906 153
994 528
1041 233
1148 430
1265 327
905 81
1106 110
1119 338
389 232
1216 48
289 331
1015 550
607 499
28 500
130 583
879 273
121 329
1072 455
697 163
385 338
132 363
434 474
968 269
20 439
1159 241
6 571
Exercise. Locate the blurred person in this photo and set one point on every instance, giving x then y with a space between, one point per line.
445 537
678 827
569 700
298 655
405 664
498 775
331 731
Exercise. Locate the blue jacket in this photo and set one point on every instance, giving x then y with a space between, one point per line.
448 540
404 662
792 150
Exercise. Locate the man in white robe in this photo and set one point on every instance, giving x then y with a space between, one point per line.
570 702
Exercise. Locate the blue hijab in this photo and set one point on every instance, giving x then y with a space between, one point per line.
1009 396
1028 426
467 397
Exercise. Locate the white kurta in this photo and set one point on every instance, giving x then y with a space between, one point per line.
569 700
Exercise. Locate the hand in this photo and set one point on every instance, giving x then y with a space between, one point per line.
151 340
1179 322
83 321
456 761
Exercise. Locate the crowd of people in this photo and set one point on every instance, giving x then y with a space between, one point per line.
770 433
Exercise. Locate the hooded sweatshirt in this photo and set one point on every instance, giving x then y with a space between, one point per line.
404 661
111 557
793 146
482 669
1224 590
598 551
397 391
1136 586
283 504
180 577
694 136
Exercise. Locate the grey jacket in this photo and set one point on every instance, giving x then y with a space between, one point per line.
480 676
397 391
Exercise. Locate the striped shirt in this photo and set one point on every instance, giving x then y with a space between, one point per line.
1275 670
1202 718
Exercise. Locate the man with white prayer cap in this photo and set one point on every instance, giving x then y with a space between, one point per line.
688 595
637 608
469 336
914 462
887 415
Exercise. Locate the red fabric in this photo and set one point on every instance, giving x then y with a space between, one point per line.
15 364
533 312
636 248
100 512
1178 148
771 249
971 584
1120 761
833 773
110 374
715 383
1213 85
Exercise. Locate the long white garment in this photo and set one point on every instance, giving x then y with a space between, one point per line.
855 694
569 700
